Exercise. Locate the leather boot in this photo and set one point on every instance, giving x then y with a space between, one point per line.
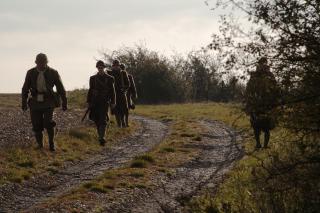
51 139
101 134
266 139
39 139
257 133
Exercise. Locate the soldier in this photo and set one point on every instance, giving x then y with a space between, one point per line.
40 81
100 96
261 97
122 85
131 95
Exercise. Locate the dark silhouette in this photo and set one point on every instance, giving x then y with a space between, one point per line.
40 81
261 97
100 96
122 85
131 94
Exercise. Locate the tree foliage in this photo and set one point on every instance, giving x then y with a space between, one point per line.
287 32
161 79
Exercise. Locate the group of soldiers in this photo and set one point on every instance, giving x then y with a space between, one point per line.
114 89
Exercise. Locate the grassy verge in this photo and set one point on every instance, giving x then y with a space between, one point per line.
19 164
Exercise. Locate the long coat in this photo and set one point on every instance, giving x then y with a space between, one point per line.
122 84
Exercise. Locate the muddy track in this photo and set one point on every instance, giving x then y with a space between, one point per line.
219 150
17 197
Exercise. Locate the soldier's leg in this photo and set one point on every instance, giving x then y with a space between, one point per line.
127 119
37 125
123 122
257 133
118 118
102 123
266 138
49 124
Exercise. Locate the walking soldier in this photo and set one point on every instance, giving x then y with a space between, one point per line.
262 94
131 94
100 96
40 81
122 85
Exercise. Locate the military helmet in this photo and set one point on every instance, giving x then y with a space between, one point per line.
100 64
122 66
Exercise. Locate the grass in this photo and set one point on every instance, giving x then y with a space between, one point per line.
10 100
228 113
19 164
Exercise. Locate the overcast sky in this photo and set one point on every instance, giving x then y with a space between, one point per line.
71 32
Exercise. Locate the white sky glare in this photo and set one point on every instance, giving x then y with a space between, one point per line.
71 32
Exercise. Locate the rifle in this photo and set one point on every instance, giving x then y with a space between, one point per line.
85 114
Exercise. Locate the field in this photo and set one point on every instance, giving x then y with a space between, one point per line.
188 127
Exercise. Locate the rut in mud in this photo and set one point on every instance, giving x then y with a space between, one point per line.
17 197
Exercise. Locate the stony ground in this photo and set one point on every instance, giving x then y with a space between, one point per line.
219 150
15 125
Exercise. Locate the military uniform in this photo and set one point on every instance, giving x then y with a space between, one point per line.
261 97
122 85
132 92
100 95
43 100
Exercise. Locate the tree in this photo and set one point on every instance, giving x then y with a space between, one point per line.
287 32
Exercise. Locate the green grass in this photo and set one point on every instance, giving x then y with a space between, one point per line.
10 100
168 149
146 157
228 113
19 164
139 163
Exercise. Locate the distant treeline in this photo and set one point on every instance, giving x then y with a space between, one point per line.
162 79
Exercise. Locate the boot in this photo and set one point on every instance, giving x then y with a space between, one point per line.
123 123
127 119
257 137
51 139
266 139
101 134
39 139
119 121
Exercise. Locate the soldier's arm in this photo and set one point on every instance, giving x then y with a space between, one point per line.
113 93
133 88
126 81
60 89
25 90
89 95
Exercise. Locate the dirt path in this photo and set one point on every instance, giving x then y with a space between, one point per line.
16 197
220 150
169 193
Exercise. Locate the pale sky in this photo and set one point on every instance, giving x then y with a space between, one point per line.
71 32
